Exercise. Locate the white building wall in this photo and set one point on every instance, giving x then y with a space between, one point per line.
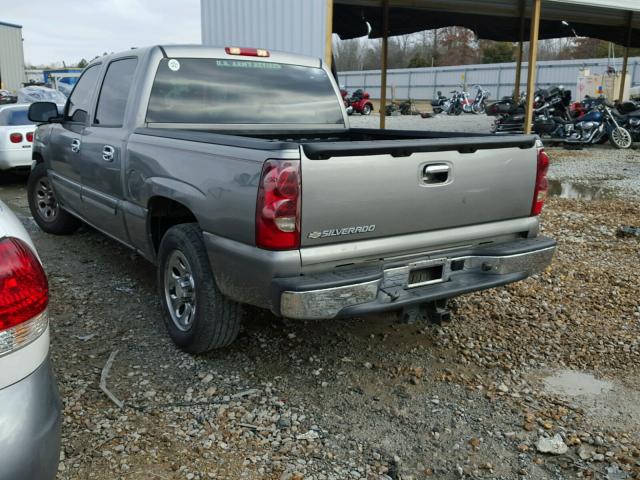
497 78
11 57
296 26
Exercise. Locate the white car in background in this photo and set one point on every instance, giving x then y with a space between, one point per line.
16 136
30 414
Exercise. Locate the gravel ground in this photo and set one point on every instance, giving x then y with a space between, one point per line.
448 123
536 380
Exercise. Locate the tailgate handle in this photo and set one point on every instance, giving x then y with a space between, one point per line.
436 173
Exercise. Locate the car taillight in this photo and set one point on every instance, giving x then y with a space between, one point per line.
29 136
542 185
15 137
24 294
278 206
247 52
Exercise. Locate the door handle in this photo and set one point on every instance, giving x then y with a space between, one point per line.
108 153
436 173
75 145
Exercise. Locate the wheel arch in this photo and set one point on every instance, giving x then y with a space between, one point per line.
165 212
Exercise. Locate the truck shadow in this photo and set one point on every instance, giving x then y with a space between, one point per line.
14 178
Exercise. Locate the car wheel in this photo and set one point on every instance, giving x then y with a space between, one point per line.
198 316
44 205
620 138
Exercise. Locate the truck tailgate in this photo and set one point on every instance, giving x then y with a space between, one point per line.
384 188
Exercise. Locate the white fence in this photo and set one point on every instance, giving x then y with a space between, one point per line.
497 78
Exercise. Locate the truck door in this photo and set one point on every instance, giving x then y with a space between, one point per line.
103 145
64 158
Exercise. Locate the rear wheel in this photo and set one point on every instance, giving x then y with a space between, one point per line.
44 205
620 138
198 316
366 110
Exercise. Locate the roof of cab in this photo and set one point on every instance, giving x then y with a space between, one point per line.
202 51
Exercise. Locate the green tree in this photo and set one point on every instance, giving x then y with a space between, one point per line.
496 52
418 61
82 63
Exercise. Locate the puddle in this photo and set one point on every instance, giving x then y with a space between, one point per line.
581 191
607 404
574 384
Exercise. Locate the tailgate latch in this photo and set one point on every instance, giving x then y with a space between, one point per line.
435 173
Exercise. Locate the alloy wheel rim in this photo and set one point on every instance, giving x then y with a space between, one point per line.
621 137
180 290
45 200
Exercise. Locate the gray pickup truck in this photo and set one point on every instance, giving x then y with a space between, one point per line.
235 171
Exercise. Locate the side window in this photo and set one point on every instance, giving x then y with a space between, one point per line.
80 99
114 93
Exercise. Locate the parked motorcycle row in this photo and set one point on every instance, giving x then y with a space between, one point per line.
574 124
461 102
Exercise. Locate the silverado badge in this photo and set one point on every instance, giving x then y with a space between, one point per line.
334 232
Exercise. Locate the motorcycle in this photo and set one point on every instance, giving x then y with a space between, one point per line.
347 101
461 102
440 104
506 106
595 126
628 115
479 105
360 102
510 119
406 107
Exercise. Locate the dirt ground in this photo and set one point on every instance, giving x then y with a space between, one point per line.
547 363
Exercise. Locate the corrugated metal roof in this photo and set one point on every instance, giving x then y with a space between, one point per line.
7 24
491 19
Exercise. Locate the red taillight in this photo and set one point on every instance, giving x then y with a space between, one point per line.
24 291
278 206
247 52
542 185
15 137
29 136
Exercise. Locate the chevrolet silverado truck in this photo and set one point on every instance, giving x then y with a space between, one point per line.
236 173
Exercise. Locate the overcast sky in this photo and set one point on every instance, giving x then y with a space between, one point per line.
68 30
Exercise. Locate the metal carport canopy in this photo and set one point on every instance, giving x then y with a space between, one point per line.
616 21
491 19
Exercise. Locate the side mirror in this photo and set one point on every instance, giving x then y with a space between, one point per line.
43 112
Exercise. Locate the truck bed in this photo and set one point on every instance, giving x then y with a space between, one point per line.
353 141
363 184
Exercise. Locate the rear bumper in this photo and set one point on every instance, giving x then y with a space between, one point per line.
30 427
15 158
363 290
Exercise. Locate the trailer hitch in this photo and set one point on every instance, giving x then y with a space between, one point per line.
435 312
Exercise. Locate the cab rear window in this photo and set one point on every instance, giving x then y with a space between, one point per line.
230 91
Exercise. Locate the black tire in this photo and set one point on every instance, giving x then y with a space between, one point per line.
366 110
215 320
46 211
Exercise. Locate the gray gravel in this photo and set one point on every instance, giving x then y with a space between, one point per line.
444 123
364 397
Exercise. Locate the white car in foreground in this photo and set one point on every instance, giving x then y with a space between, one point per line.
16 136
30 414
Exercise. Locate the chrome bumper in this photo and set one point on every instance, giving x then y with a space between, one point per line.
462 274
